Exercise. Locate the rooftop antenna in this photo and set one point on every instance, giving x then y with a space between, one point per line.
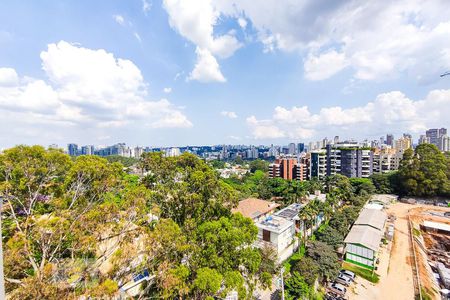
445 74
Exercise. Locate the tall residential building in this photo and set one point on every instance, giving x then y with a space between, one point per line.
403 143
336 139
288 168
435 135
444 143
386 160
138 151
424 139
349 159
390 140
72 149
318 164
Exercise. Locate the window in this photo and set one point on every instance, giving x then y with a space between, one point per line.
266 235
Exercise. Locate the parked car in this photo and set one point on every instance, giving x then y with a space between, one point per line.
349 274
338 288
344 279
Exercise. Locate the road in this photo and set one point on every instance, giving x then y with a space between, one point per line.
396 277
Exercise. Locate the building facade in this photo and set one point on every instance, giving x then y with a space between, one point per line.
349 159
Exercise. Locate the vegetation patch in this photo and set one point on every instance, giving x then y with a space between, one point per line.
361 272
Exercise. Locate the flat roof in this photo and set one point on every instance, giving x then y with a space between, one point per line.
364 235
372 217
290 212
274 223
437 225
253 207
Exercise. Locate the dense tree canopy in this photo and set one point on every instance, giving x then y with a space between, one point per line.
424 172
84 227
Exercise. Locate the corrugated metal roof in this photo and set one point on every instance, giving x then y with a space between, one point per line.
372 217
364 235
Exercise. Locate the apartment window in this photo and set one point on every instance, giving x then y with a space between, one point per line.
266 235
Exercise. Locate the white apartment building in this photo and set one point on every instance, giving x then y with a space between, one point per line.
386 160
279 233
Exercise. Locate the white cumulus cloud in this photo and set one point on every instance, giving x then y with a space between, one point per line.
207 68
195 21
388 112
229 114
85 88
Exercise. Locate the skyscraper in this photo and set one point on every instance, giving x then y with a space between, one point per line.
435 136
390 140
291 148
72 149
300 147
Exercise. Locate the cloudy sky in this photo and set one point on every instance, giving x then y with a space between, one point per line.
185 72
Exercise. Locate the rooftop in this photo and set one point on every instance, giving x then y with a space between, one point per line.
275 224
253 207
373 217
290 212
364 235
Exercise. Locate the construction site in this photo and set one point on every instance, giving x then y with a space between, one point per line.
415 261
430 235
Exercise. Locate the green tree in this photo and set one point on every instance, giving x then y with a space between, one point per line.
207 282
326 258
296 287
186 188
424 172
330 236
259 164
308 268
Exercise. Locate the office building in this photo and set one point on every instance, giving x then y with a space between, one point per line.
87 150
300 147
72 149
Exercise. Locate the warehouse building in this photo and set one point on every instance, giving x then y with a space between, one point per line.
361 245
363 241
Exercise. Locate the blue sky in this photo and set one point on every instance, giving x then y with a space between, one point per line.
190 72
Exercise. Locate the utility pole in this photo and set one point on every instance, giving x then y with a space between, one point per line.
2 279
282 283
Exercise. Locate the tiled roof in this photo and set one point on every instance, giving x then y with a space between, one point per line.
253 207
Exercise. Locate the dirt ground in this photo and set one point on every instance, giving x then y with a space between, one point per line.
396 277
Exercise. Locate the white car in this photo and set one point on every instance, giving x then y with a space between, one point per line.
349 274
344 279
338 288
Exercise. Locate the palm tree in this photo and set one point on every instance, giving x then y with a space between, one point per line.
305 215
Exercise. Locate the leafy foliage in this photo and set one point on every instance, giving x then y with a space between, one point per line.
424 172
80 227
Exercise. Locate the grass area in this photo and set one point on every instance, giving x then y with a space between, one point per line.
361 272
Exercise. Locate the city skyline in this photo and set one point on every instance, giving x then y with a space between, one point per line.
174 73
